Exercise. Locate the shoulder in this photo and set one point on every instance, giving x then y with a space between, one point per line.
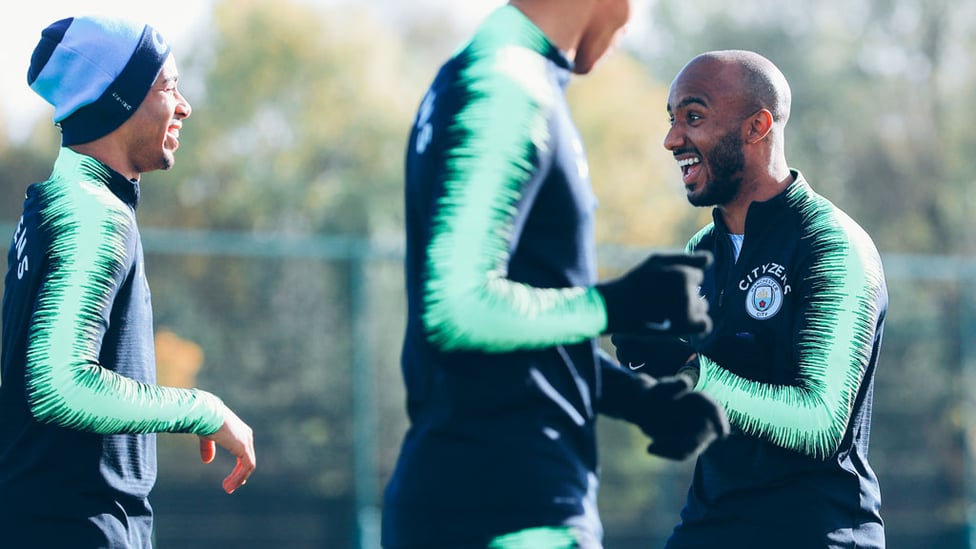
703 238
837 247
81 200
824 223
503 74
82 216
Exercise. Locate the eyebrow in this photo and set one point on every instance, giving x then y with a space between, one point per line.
693 100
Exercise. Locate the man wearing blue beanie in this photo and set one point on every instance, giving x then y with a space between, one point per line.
79 406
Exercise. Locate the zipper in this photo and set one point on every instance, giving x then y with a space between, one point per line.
730 269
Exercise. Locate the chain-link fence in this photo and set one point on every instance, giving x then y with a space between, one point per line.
301 336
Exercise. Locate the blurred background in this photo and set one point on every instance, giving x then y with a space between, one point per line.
274 245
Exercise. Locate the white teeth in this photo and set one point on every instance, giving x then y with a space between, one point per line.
688 161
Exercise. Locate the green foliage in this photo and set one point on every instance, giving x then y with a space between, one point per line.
296 128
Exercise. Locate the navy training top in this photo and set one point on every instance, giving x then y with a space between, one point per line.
78 404
499 358
798 323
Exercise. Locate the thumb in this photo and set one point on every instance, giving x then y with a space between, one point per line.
719 418
208 450
698 260
704 259
667 451
671 386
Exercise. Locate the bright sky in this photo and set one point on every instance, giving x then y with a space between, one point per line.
21 29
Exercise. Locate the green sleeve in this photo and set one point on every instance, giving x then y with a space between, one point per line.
841 301
66 385
470 304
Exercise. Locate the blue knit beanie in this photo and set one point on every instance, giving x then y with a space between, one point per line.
95 71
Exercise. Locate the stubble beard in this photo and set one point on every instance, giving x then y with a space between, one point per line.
727 162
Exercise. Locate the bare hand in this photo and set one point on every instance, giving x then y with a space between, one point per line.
235 436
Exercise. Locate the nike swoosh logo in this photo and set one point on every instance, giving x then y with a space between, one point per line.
660 326
639 366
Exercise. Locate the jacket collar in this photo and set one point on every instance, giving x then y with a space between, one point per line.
760 213
71 162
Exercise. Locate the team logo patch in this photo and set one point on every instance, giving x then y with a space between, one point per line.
764 298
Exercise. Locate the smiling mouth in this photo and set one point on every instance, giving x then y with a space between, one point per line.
689 168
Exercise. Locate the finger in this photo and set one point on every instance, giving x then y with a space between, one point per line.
712 414
236 478
242 471
701 327
720 421
207 450
669 387
697 260
697 325
656 449
722 428
704 259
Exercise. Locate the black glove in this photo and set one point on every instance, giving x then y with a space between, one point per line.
681 422
659 295
654 355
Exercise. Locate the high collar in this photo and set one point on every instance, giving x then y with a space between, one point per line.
507 25
71 162
760 213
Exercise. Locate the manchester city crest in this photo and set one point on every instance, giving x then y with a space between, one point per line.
764 298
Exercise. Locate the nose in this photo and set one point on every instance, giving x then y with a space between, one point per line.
672 139
183 108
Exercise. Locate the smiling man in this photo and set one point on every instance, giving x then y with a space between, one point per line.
798 297
79 405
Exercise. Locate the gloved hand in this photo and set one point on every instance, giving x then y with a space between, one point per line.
654 355
659 295
680 421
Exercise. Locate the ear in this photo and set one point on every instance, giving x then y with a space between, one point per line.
758 126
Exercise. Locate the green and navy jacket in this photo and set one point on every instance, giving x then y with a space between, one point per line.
502 372
798 321
78 403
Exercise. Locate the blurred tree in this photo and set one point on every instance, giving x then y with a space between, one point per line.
22 164
298 126
177 360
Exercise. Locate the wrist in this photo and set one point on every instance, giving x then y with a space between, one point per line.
610 294
704 366
623 394
691 373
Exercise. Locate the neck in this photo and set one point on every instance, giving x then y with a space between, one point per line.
113 157
563 27
753 190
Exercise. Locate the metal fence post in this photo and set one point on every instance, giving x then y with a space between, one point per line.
364 407
967 356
